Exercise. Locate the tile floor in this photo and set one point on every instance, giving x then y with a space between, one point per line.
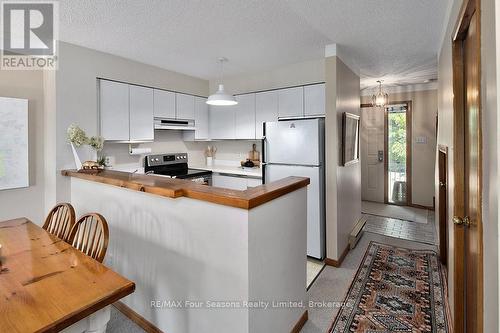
396 212
419 232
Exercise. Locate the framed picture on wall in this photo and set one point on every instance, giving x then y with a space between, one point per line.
350 139
14 161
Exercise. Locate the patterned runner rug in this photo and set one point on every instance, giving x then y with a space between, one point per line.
395 290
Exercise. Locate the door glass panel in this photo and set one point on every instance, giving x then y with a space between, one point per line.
396 154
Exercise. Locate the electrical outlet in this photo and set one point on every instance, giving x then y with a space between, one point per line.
109 160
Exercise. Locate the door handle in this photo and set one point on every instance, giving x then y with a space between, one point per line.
442 184
380 155
461 221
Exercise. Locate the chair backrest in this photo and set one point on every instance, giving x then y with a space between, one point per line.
90 234
60 221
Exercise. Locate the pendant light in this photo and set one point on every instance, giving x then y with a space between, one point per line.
221 97
380 99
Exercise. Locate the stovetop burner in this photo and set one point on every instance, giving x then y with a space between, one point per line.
172 165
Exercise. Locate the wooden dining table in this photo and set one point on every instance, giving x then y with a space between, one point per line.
46 285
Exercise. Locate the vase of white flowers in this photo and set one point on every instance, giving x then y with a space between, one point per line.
82 146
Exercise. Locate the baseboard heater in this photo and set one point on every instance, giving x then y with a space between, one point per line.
356 233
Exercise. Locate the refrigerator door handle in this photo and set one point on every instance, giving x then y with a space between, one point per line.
263 149
263 173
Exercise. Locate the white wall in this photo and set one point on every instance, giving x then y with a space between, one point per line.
27 202
490 124
343 183
76 98
172 142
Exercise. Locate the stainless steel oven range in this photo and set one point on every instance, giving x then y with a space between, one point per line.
175 166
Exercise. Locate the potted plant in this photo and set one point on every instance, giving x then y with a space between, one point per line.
83 145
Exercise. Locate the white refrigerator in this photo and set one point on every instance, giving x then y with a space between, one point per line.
296 148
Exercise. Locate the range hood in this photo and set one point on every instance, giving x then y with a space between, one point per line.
174 124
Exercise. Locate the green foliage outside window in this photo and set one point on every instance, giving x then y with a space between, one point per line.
397 142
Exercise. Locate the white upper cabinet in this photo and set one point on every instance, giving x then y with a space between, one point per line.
245 117
314 100
266 109
164 104
141 113
221 119
114 110
201 118
291 102
184 106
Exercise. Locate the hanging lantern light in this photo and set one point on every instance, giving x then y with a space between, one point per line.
380 99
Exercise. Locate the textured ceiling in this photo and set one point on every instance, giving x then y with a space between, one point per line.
396 40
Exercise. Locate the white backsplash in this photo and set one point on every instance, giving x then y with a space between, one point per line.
172 142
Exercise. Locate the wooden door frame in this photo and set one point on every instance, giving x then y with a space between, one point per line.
443 223
469 7
409 150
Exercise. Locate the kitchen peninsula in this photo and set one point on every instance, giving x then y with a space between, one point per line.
190 248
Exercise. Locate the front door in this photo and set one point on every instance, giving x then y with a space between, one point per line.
372 154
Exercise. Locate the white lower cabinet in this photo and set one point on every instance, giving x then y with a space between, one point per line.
234 182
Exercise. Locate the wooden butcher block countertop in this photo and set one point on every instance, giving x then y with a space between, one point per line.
175 188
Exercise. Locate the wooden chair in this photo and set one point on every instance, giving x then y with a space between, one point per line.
60 221
90 234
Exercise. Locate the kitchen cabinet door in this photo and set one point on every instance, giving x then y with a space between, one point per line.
314 100
141 113
221 122
245 117
164 104
114 110
184 106
201 118
266 109
291 102
229 182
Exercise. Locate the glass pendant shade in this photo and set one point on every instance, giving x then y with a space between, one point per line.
380 99
221 98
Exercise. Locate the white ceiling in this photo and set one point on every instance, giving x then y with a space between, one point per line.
396 40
